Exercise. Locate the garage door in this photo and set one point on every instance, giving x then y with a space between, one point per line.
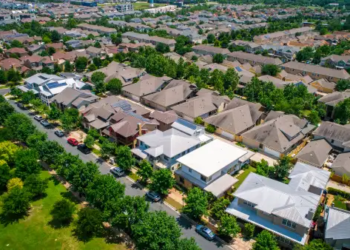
227 135
271 152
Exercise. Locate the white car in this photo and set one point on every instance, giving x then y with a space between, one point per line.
38 117
117 171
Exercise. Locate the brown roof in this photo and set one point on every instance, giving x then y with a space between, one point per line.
167 117
16 50
55 45
9 63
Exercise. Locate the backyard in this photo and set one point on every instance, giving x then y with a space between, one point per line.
35 231
242 175
339 202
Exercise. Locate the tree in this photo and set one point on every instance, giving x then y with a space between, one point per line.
198 120
228 226
35 139
69 119
97 61
5 174
124 158
183 45
51 51
342 85
211 38
54 112
49 151
97 45
92 67
68 67
15 92
14 182
262 168
57 68
26 163
36 103
317 245
89 141
7 151
15 203
282 167
81 63
162 48
14 76
314 117
218 208
55 36
145 170
188 244
270 69
114 86
27 97
157 230
63 211
218 58
342 112
16 44
162 181
305 54
35 185
248 230
89 223
345 178
19 126
107 149
196 203
265 240
3 77
71 23
94 133
82 175
6 109
97 79
231 79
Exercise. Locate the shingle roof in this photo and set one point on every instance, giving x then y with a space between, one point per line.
238 55
315 152
166 117
338 224
331 130
148 84
334 98
342 163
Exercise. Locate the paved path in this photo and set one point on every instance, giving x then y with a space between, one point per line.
337 185
130 188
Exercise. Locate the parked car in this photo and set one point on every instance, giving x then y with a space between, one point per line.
117 171
45 123
73 142
59 133
84 149
111 160
21 106
153 196
205 232
38 117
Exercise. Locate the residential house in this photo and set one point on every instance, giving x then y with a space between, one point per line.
280 35
286 210
315 153
74 98
96 28
144 38
337 228
238 117
12 63
209 172
278 135
324 86
95 52
124 7
205 104
163 148
148 84
252 59
165 119
56 46
176 92
37 63
249 47
341 164
336 61
17 51
335 134
209 50
315 71
331 100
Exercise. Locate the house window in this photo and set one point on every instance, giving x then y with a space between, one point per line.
288 223
190 170
284 240
203 178
249 204
182 180
166 158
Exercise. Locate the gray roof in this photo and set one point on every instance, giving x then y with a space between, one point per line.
338 224
211 49
70 95
166 117
333 131
341 165
238 55
315 153
147 85
334 98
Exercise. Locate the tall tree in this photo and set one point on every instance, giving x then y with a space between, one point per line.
35 185
69 119
81 63
218 208
228 226
83 175
218 58
282 167
162 181
54 112
342 112
49 151
19 126
63 211
114 86
5 174
264 241
145 170
196 203
270 69
89 141
6 109
89 223
124 158
15 203
26 163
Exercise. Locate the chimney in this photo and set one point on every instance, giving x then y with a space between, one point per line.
140 128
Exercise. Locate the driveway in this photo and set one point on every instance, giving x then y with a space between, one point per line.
339 186
130 188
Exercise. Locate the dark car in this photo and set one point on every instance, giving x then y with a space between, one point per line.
21 106
84 149
73 141
59 133
45 123
205 232
153 196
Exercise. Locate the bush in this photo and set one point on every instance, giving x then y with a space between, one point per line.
63 211
248 230
210 128
317 213
341 193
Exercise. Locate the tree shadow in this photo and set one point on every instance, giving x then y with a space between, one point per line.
11 218
113 236
136 185
57 224
184 222
69 196
38 197
55 180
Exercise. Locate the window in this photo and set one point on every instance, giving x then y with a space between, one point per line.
288 223
166 158
182 180
284 240
203 178
190 170
249 204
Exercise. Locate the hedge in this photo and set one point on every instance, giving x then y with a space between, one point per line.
339 192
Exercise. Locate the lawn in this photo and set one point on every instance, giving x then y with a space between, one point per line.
339 202
244 175
145 5
35 232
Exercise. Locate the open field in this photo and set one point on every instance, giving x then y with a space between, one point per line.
145 5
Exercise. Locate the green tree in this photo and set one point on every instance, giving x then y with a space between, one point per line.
314 117
248 230
55 36
81 63
94 133
16 44
262 168
305 54
317 245
89 141
92 67
26 163
54 112
49 151
51 51
198 120
162 181
107 149
145 170
218 208
6 109
35 186
183 45
3 77
342 85
342 112
7 152
35 139
265 240
162 48
89 223
218 58
228 226
196 203
157 230
14 183
211 38
82 175
14 76
15 203
97 79
97 45
188 244
282 167
15 92
27 97
68 67
114 86
63 211
124 158
270 69
69 119
5 174
19 126
231 79
71 23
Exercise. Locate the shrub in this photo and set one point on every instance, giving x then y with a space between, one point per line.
341 193
248 230
210 128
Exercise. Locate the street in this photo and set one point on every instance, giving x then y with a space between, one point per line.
130 188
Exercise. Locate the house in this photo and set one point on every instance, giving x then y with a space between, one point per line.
337 228
37 63
96 28
12 63
341 164
165 119
331 101
315 71
322 85
238 117
209 172
205 104
315 153
56 46
95 52
252 59
17 51
336 61
335 134
278 36
148 84
176 92
163 148
144 38
279 135
286 210
209 50
74 98
249 47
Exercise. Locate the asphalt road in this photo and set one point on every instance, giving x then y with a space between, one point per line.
130 188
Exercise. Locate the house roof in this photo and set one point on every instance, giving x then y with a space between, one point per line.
315 152
256 58
334 98
205 163
166 117
338 224
342 162
325 83
211 49
334 131
71 96
146 85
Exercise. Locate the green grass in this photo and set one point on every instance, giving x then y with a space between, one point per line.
244 175
96 152
174 203
133 176
34 232
339 202
145 5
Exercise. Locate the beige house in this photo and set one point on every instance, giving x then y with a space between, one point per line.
252 59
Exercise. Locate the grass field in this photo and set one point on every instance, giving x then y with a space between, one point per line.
339 202
35 232
145 5
244 175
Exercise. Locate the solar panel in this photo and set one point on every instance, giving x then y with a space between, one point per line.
124 105
186 123
53 85
238 69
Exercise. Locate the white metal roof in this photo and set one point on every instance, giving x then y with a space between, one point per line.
212 157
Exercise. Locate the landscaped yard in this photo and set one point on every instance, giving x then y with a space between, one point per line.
339 202
241 177
35 231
